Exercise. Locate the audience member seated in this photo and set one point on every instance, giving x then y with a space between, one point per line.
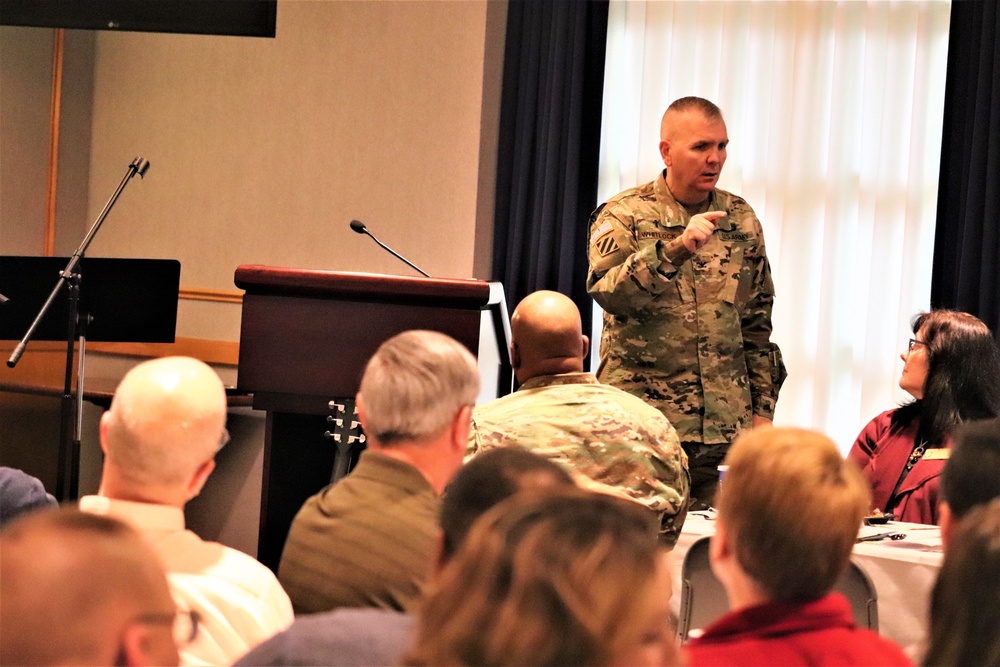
369 540
79 589
351 637
952 370
789 512
20 493
965 602
972 475
166 423
609 437
568 577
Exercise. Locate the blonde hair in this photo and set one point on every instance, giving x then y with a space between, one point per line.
555 577
793 507
415 384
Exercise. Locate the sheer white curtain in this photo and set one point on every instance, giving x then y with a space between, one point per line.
834 111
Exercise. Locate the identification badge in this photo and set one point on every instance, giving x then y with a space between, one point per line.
936 454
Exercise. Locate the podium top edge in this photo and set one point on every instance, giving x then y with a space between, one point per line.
272 280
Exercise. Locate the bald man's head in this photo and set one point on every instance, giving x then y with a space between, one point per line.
168 418
547 336
82 589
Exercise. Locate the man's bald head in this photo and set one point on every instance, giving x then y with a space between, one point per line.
82 589
547 336
167 419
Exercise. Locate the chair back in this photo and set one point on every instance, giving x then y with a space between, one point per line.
703 598
857 586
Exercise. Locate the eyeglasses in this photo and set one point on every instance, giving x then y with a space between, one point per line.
224 440
183 624
913 343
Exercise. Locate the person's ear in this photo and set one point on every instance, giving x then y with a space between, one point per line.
515 356
200 477
946 521
720 552
665 152
359 406
137 647
718 547
105 425
440 558
460 429
586 346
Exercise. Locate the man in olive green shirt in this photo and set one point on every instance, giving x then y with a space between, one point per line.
370 539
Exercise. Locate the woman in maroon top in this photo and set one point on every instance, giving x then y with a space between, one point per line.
952 370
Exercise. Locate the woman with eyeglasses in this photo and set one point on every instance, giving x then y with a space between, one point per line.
952 370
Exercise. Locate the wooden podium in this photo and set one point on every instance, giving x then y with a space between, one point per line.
305 338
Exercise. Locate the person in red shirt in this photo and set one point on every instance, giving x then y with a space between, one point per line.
952 370
789 511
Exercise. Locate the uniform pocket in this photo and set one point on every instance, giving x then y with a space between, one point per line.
731 279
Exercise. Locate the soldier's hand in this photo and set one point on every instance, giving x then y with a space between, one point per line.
700 229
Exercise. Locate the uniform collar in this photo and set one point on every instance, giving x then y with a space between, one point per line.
676 215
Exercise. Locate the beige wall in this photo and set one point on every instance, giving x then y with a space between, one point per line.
261 150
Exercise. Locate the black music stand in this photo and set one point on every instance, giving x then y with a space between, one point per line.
120 301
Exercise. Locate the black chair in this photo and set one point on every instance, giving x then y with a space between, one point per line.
703 599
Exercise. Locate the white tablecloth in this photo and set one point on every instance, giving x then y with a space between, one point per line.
903 572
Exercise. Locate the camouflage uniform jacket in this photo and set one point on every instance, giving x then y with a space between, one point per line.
688 332
602 434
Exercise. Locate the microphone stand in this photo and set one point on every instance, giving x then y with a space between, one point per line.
67 476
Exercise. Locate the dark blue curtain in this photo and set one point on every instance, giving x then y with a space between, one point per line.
547 162
966 270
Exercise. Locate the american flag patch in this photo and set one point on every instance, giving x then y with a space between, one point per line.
604 228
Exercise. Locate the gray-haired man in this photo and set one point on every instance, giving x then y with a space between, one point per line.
369 540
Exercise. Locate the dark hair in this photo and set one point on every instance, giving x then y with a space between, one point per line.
710 110
963 373
972 475
965 602
485 481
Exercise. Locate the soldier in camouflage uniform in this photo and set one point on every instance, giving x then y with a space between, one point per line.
610 440
680 269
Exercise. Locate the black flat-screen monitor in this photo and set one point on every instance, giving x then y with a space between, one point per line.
249 18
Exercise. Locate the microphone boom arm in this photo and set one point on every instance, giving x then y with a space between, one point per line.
360 228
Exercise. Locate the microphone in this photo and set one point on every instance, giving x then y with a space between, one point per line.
360 228
140 165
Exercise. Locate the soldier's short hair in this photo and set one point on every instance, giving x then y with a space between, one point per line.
415 384
710 110
792 507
